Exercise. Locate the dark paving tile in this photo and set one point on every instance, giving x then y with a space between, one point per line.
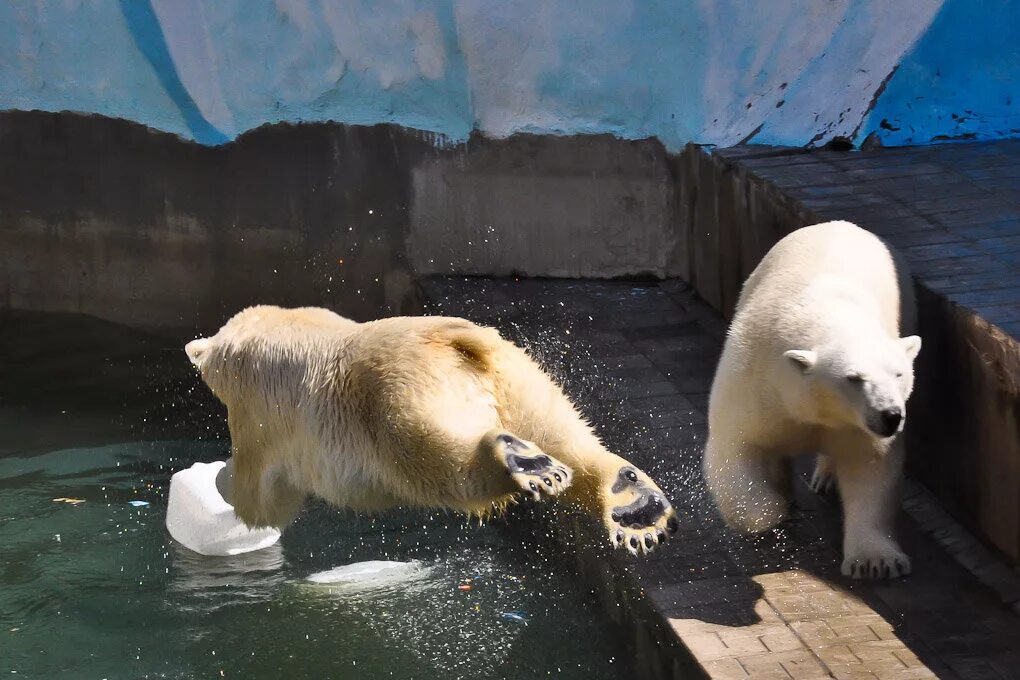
895 171
908 186
964 283
886 226
957 249
947 266
647 323
989 228
1000 244
985 172
920 238
939 200
953 219
683 327
1012 328
784 161
865 215
994 296
800 178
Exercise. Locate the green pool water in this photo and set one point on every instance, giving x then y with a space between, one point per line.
97 589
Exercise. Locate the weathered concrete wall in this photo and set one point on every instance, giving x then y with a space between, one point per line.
546 206
728 223
968 449
108 218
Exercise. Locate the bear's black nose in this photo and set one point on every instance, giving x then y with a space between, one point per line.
891 420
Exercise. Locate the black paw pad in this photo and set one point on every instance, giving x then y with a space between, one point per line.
649 508
625 478
530 465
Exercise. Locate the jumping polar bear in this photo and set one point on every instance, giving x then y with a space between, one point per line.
423 411
814 362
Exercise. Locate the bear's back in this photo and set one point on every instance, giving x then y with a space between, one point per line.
814 266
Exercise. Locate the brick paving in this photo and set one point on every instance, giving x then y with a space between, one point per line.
638 360
952 210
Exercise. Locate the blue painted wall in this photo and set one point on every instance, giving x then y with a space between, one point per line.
712 71
961 80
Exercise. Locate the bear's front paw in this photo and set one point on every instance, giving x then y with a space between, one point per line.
877 558
639 516
532 470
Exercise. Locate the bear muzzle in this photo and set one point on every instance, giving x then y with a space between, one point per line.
887 422
197 350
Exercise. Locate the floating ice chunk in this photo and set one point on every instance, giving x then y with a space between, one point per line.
138 504
198 516
370 574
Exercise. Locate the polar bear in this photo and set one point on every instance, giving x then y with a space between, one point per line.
814 362
419 411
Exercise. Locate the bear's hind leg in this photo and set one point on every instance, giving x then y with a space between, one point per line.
530 468
739 479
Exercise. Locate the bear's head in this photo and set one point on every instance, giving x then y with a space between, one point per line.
220 357
198 351
201 353
864 384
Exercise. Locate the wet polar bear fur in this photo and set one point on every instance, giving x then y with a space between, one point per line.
814 363
418 411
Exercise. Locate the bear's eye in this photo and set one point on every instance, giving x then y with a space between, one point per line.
899 374
855 378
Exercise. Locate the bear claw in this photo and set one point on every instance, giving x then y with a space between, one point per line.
886 562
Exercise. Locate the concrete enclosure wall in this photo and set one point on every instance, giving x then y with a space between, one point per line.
104 217
710 71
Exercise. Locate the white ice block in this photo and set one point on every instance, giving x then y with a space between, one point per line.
198 516
370 574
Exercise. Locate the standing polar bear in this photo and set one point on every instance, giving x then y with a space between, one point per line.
814 363
423 411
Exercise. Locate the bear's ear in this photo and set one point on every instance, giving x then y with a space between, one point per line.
911 345
198 350
803 359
